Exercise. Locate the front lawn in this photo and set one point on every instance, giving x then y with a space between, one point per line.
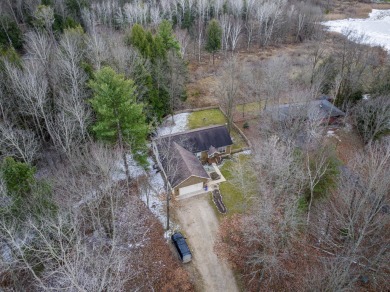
212 117
236 197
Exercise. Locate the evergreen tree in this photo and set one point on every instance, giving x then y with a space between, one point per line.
28 196
155 48
10 34
138 38
214 37
119 118
169 40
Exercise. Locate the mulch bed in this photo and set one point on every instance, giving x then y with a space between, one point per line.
217 198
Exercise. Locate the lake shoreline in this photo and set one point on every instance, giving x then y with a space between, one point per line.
372 31
347 10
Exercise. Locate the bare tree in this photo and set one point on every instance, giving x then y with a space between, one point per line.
372 117
97 49
226 26
275 80
93 241
352 228
235 33
177 76
273 223
316 169
183 38
31 87
74 114
230 88
254 86
21 144
165 150
200 36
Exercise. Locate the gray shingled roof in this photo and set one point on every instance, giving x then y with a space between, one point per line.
201 139
184 164
313 110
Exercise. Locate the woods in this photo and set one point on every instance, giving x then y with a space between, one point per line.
85 87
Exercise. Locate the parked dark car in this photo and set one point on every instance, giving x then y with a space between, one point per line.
182 248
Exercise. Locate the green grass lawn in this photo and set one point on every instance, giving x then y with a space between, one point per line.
211 117
232 196
206 118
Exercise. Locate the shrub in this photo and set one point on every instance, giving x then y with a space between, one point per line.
10 34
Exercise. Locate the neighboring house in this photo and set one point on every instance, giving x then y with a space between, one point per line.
318 110
181 155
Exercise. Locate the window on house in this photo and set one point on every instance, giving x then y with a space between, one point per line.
222 149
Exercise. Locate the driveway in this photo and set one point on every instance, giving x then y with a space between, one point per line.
200 225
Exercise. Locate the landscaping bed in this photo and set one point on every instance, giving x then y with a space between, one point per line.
217 199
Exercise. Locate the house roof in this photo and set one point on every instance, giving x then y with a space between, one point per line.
212 150
313 110
184 164
201 139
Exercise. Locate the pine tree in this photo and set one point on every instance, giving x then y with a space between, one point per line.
214 37
168 38
119 119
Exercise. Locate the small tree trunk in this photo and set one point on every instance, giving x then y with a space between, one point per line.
120 142
168 208
309 207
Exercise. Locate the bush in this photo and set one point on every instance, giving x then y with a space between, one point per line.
246 125
10 34
27 195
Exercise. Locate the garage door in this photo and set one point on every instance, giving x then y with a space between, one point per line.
191 189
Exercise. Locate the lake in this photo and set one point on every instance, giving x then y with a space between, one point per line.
375 28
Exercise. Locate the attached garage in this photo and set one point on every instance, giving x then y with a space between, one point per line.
191 189
189 175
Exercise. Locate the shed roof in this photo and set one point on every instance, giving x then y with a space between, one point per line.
313 110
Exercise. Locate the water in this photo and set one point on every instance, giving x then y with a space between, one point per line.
375 29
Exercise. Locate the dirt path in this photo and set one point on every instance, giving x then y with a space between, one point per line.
200 225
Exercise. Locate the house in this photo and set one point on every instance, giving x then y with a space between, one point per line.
209 144
317 110
181 156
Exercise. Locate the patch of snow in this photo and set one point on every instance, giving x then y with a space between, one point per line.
375 28
179 124
153 193
246 152
348 127
134 168
331 133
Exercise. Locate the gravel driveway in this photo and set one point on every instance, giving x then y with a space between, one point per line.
200 225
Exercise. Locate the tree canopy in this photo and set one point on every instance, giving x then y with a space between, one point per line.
118 115
214 37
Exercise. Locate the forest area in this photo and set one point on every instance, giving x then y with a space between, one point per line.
84 87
